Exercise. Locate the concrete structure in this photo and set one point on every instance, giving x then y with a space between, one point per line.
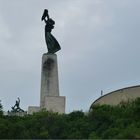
33 109
55 103
21 114
49 94
49 77
115 97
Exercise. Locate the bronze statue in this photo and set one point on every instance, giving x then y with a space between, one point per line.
16 107
52 44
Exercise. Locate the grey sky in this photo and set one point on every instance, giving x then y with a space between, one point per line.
100 48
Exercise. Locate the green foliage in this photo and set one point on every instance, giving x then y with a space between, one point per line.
1 109
120 121
102 122
93 135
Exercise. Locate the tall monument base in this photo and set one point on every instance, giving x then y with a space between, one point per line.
52 103
49 95
55 103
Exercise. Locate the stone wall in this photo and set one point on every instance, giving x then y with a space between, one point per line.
115 97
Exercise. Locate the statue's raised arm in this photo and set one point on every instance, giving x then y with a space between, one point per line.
45 14
52 44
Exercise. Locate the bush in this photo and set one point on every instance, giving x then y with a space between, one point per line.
1 109
102 122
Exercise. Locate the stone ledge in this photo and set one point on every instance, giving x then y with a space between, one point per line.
55 104
33 109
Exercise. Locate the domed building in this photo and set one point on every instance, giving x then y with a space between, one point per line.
115 97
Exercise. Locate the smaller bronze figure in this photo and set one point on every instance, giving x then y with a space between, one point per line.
52 44
16 107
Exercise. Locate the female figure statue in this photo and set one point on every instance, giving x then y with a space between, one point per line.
52 44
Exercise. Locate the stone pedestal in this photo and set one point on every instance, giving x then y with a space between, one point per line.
55 103
33 109
21 114
49 77
49 94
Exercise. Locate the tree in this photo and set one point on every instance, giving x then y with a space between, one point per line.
1 109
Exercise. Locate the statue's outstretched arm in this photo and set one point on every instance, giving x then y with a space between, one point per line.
18 100
45 14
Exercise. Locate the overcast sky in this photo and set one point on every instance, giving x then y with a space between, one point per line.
100 41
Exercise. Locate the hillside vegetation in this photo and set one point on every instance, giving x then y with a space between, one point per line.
122 121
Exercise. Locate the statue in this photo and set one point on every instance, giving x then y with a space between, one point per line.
16 107
16 110
52 44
